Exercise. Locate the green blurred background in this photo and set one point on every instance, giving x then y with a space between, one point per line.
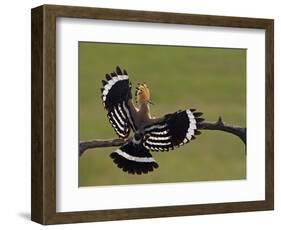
212 80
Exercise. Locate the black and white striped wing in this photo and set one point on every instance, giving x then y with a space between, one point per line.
118 119
174 130
116 93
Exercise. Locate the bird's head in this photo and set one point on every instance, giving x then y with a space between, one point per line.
142 94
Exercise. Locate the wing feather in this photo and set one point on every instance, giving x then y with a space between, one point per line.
173 131
116 93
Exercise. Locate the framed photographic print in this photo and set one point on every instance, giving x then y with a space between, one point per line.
140 114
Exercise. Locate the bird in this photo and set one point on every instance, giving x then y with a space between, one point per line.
150 134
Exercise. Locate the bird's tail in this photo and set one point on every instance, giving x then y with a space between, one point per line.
134 159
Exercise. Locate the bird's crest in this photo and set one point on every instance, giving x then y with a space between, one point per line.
142 94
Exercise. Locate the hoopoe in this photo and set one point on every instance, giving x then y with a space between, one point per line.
150 134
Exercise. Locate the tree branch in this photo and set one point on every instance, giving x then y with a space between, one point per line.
84 145
221 126
218 125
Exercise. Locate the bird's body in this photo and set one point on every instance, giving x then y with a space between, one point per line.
150 133
141 114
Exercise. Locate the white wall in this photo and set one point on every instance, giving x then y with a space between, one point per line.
15 113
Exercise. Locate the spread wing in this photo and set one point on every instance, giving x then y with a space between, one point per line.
174 130
116 96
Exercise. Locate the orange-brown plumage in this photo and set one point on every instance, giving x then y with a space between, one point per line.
142 94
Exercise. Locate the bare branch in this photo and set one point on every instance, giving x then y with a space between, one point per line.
218 125
84 145
221 126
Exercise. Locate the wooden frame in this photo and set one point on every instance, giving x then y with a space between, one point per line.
43 207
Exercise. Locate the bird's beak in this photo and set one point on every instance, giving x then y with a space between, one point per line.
150 102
